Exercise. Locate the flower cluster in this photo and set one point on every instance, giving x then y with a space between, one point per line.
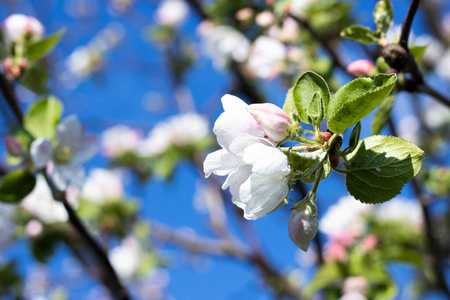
257 170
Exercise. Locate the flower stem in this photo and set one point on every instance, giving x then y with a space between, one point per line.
317 181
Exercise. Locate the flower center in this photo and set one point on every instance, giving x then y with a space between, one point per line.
63 154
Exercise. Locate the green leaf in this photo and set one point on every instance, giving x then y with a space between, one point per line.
383 15
42 47
417 51
360 34
382 114
35 78
326 168
43 116
289 105
16 185
311 96
357 99
354 136
380 167
328 274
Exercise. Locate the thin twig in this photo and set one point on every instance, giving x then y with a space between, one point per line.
406 24
111 279
10 96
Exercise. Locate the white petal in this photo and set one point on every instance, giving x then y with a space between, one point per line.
220 162
261 195
68 173
69 131
86 148
243 141
236 178
41 151
266 160
235 120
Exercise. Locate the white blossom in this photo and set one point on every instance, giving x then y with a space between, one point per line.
266 57
119 140
63 162
102 185
17 26
300 7
257 170
179 130
401 210
224 44
126 258
40 203
172 12
346 217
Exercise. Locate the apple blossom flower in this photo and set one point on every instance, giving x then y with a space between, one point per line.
257 170
299 8
40 203
101 186
224 44
401 210
244 14
345 220
265 19
126 258
180 130
34 228
355 284
18 26
120 139
172 12
63 161
304 223
272 119
266 57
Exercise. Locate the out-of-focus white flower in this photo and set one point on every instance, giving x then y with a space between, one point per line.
257 171
244 14
345 219
355 284
289 31
299 7
126 258
153 285
179 130
436 116
119 140
63 161
84 61
443 67
265 19
402 210
434 50
7 223
408 128
18 26
34 228
353 296
266 57
40 204
172 12
224 43
102 185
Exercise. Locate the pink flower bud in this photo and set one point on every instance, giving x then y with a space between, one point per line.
336 252
361 67
369 243
272 119
13 146
304 223
34 228
244 14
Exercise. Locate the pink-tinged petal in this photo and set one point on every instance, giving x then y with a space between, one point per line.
41 151
69 131
266 160
220 162
85 149
234 121
272 119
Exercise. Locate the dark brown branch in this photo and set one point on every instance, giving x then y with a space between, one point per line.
427 89
10 96
110 277
406 25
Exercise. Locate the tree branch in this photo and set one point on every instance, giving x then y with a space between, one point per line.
10 96
406 24
109 275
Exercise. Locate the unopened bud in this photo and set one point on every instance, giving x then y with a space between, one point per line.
361 68
304 222
272 120
325 136
13 146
